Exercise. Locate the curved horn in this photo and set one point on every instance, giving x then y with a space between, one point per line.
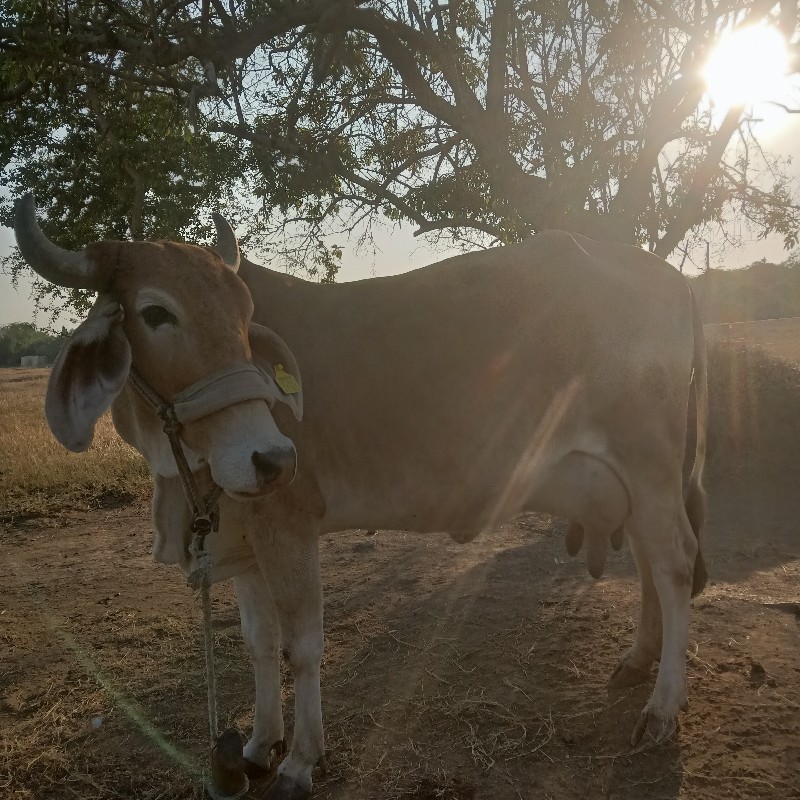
69 268
226 244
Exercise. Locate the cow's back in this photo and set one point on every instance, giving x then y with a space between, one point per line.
426 391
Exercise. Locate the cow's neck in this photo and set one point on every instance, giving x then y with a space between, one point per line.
282 302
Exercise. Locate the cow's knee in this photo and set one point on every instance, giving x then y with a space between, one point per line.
302 652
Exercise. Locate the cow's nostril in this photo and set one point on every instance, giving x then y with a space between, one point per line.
267 468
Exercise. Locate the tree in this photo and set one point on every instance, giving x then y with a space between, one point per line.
19 339
478 120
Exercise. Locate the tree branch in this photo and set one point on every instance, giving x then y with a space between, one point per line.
496 69
462 222
137 209
690 212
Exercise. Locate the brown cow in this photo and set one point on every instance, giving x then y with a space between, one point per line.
551 375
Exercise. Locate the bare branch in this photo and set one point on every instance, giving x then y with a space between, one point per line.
691 209
496 70
461 222
137 209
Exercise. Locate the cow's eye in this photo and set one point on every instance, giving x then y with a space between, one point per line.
154 316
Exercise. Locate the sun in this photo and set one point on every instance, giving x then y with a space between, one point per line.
748 65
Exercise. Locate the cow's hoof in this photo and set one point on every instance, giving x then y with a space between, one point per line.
256 771
653 729
626 675
284 788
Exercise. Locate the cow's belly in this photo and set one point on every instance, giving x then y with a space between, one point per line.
578 486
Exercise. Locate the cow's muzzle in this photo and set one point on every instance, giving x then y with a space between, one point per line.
275 467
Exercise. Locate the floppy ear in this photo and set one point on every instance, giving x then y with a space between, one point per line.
87 375
272 355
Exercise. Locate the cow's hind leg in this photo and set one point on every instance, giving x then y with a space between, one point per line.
290 562
669 546
635 666
262 640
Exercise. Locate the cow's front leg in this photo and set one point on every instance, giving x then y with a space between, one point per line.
261 633
290 562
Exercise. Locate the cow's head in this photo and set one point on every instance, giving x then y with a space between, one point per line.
179 314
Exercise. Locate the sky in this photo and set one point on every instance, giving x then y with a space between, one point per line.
400 251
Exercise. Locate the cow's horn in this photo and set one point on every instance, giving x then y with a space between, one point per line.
226 244
69 268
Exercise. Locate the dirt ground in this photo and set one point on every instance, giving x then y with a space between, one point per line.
451 672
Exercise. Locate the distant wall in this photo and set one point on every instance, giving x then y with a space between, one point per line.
33 361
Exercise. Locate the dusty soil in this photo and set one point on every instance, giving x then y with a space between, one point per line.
456 672
451 672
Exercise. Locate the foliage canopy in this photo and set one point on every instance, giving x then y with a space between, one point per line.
476 120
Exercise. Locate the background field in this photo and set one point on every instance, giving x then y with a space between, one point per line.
451 672
37 475
778 337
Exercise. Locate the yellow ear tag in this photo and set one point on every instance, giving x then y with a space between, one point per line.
286 381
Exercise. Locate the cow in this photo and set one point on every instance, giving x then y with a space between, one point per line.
559 374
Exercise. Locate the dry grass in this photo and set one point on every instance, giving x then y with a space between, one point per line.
38 476
754 406
779 337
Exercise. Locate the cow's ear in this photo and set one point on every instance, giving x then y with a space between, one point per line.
87 375
273 356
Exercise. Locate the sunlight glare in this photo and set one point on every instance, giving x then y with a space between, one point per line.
747 66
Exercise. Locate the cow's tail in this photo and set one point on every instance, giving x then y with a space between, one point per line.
695 498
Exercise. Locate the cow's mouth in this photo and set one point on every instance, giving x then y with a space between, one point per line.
243 497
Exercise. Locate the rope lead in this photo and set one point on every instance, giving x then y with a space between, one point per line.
228 780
